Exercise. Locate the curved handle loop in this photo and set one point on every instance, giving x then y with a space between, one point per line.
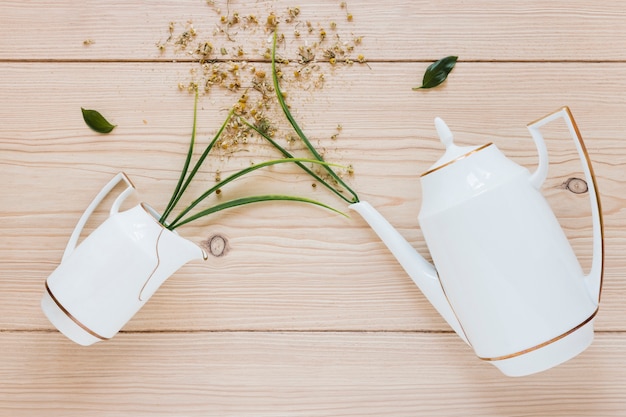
594 278
71 244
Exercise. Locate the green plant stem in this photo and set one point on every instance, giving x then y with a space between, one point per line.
256 199
183 172
178 220
299 131
185 180
287 154
196 166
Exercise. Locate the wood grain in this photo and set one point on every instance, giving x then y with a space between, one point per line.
273 267
296 374
406 30
306 313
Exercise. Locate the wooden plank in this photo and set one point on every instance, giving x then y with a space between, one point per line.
295 374
405 30
288 274
307 314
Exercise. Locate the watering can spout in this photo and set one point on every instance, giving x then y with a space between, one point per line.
422 272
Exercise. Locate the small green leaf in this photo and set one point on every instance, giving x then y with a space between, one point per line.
437 72
96 121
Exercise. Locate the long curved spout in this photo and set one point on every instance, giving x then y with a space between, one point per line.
422 272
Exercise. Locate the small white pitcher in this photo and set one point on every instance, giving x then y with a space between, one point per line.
102 283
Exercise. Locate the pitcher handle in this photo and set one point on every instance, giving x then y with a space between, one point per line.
594 278
71 244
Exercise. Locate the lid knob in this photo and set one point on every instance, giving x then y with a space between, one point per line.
444 132
452 151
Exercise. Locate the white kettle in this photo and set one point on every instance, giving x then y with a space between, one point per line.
506 278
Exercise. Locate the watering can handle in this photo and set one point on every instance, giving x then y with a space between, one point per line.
71 245
594 278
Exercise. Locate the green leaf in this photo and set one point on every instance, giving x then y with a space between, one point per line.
177 221
302 136
96 121
255 199
177 191
286 154
437 72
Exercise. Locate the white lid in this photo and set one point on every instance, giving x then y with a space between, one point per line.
452 151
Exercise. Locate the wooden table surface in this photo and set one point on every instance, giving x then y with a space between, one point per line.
306 313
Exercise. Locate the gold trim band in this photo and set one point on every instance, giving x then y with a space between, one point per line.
153 214
592 173
156 249
128 180
68 314
456 159
544 344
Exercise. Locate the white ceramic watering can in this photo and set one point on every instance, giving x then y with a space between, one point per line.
506 278
103 282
